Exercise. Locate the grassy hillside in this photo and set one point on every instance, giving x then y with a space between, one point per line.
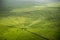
32 23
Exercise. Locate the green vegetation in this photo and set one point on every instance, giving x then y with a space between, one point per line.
33 23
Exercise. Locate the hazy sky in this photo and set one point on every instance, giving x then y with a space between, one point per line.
4 4
42 1
17 3
28 1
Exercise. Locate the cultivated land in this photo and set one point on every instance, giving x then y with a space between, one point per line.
31 23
